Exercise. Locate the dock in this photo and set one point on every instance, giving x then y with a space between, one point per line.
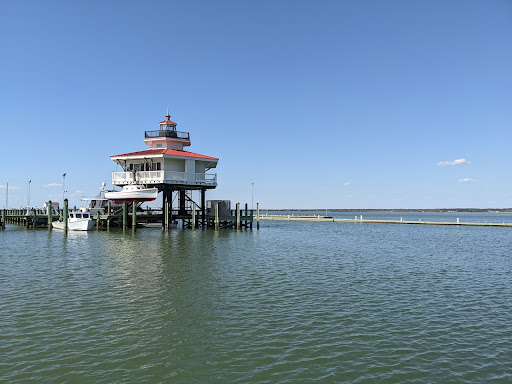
128 217
319 218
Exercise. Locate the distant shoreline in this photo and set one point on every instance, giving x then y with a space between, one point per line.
486 210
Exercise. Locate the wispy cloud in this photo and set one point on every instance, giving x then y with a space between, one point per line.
52 185
454 162
347 183
467 181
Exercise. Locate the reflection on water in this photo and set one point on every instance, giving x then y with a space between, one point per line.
293 302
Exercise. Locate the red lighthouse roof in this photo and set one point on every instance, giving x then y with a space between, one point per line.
164 151
168 119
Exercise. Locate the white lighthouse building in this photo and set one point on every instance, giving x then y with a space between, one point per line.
167 166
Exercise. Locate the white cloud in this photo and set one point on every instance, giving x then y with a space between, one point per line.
347 184
454 162
467 181
52 185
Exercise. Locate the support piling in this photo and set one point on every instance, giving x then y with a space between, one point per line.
125 215
216 215
257 215
134 216
65 215
194 216
237 215
50 213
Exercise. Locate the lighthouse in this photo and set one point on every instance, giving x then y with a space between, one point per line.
166 165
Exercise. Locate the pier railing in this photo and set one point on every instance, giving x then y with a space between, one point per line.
159 177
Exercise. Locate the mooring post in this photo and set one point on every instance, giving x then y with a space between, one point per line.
194 216
65 215
166 216
109 212
217 215
125 215
97 220
50 213
134 216
237 215
257 215
3 218
203 209
34 218
246 213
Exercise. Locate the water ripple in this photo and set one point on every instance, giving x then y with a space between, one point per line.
294 302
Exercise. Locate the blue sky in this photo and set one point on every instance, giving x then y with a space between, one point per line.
322 104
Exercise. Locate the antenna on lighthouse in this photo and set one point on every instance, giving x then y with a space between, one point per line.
168 116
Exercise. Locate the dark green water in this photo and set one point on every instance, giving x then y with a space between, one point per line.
294 302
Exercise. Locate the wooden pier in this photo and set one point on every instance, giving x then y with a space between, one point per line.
131 216
360 219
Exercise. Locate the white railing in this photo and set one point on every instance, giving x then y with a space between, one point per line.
157 177
208 178
175 176
150 176
122 177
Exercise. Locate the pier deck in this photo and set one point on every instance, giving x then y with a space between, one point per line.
372 221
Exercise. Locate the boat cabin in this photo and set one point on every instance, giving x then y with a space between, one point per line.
78 215
166 161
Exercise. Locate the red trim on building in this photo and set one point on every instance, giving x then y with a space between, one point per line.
164 151
168 122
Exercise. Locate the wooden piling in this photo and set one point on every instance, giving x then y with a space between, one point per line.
166 215
3 218
216 215
257 215
65 215
109 212
237 215
134 216
194 216
125 215
50 213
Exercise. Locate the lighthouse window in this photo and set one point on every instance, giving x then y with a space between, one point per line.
159 145
155 167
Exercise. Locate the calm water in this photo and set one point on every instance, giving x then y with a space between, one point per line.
293 302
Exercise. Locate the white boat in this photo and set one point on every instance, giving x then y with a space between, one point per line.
132 192
99 203
77 221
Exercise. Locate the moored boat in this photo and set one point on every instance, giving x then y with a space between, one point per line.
132 192
99 203
77 221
